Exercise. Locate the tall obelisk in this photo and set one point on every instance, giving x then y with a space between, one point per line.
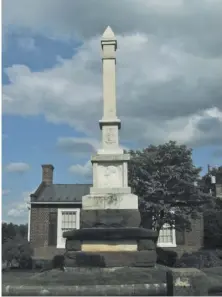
110 174
109 123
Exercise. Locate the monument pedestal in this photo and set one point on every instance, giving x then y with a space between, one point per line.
110 247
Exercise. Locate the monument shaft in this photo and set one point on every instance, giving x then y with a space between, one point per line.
109 46
109 87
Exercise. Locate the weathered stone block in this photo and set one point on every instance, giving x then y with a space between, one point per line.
110 259
73 245
111 234
110 201
146 244
109 246
96 191
115 218
186 282
110 158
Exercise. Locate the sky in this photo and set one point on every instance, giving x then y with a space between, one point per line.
169 85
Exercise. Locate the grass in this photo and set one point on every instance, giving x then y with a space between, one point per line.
214 275
84 277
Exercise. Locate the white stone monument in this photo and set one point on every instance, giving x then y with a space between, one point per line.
110 174
110 233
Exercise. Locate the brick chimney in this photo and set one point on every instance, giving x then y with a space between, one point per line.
47 174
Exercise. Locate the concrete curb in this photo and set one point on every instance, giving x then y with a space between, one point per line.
94 290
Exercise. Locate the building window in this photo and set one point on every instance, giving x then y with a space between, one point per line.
68 219
167 236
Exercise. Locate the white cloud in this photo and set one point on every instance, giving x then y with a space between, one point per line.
82 170
169 68
204 126
19 167
160 88
14 212
20 210
196 24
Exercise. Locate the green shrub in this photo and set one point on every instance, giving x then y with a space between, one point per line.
17 250
213 229
200 259
219 253
58 262
166 257
38 264
42 264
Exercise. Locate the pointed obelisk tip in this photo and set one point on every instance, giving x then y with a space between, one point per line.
108 34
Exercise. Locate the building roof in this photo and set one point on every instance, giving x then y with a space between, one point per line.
62 193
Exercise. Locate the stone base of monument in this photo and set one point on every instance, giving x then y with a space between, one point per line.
109 218
110 259
110 247
128 281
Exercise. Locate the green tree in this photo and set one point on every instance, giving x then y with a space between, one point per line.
166 181
23 230
17 249
10 230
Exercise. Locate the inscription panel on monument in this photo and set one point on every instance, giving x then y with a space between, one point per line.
110 136
109 175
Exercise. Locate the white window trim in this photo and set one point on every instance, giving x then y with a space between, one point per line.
29 222
173 244
61 245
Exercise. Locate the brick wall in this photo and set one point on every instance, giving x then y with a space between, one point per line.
39 226
219 190
195 237
39 230
47 252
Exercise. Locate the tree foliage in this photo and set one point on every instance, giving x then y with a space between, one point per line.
11 230
17 249
165 179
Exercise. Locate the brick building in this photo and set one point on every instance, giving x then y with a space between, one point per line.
55 208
